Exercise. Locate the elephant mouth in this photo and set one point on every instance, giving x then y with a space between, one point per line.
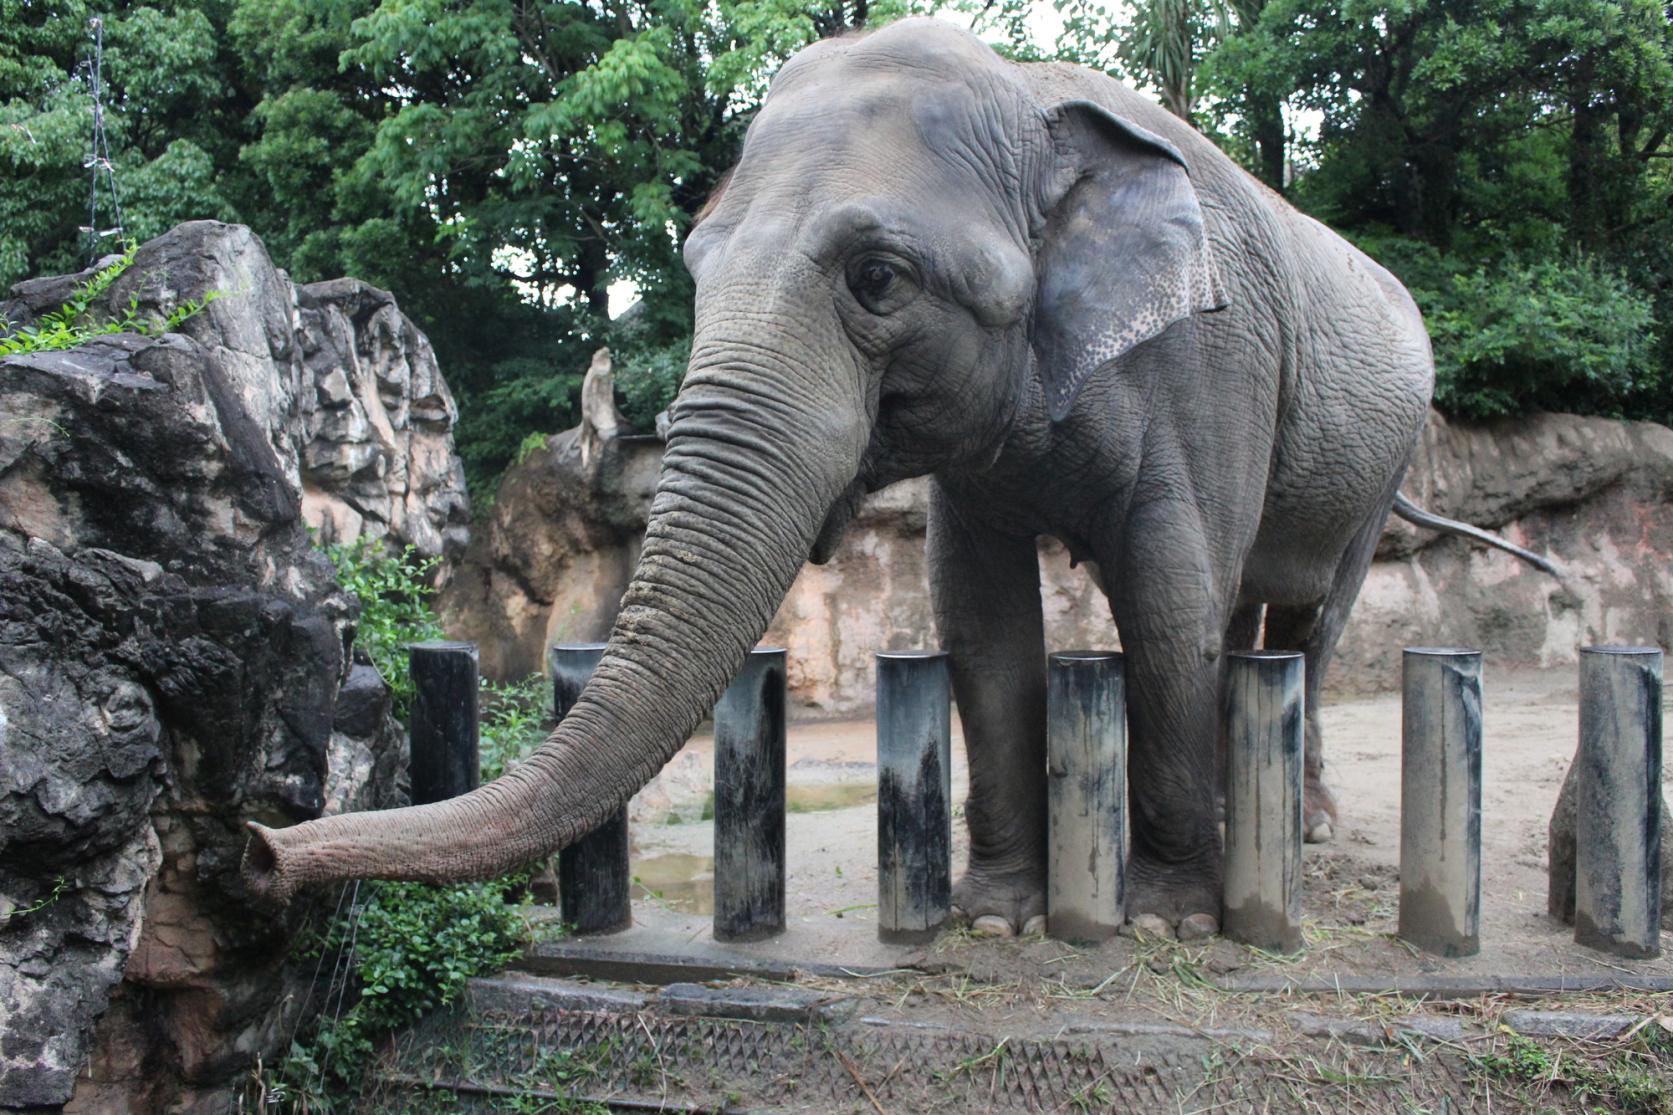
836 522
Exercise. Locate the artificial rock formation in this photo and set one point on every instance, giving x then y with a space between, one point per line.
1590 493
174 656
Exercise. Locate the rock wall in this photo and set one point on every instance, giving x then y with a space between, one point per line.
558 550
174 656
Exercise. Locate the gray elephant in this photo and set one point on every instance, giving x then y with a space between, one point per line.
1082 320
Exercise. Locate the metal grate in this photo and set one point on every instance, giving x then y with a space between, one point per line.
634 1060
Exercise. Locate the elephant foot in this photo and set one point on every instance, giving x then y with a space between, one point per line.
1001 902
1184 896
1318 811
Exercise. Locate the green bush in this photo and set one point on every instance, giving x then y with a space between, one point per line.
1521 334
394 606
409 948
515 719
647 380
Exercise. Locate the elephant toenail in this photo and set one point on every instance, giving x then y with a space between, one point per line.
1034 925
992 925
1198 927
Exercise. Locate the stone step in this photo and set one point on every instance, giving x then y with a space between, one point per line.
519 1040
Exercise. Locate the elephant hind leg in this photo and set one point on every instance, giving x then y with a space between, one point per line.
1314 630
1301 628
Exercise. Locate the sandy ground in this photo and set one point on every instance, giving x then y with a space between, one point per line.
1351 889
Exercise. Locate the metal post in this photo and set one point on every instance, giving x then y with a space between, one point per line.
1440 800
1617 900
914 795
1086 794
749 801
1265 729
443 729
595 891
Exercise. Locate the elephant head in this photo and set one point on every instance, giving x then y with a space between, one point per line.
911 252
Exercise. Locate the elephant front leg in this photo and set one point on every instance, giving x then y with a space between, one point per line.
1173 624
985 587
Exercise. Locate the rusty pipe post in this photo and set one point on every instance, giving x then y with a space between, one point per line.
1086 794
595 877
914 794
1617 824
749 801
1265 729
1440 800
443 742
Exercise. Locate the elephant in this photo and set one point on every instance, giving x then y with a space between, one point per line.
1079 319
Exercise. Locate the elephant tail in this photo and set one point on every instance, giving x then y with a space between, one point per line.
1417 516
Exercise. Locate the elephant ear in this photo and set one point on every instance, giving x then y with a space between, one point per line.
1123 251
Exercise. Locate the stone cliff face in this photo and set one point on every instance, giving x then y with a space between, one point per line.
1589 492
174 655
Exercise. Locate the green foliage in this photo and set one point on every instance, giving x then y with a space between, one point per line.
647 381
501 166
1527 332
1632 1076
75 322
394 600
515 719
409 948
1506 158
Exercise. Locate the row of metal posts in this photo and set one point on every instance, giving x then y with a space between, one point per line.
1618 899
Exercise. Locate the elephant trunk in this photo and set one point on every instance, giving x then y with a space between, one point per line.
758 452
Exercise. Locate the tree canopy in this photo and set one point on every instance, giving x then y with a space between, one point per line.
501 165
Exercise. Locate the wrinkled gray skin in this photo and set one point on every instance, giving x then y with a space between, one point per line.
931 261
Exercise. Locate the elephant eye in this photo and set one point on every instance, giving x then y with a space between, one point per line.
881 285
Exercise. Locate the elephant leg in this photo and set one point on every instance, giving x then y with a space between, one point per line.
1172 612
985 587
1242 633
1313 630
1298 628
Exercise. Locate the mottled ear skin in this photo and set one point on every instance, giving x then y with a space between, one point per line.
1123 253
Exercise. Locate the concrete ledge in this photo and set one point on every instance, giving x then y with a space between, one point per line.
1579 1025
755 1004
1445 987
513 994
1361 1032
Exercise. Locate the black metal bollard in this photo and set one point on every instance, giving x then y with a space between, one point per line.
443 733
1086 794
914 795
749 801
1265 727
1440 800
1617 899
595 891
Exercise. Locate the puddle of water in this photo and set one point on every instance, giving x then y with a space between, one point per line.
828 795
816 797
684 881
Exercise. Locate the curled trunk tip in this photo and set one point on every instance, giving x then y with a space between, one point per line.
265 873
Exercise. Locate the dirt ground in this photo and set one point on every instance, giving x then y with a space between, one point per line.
1350 887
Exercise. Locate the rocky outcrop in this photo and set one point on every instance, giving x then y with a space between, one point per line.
557 553
1591 494
174 658
345 388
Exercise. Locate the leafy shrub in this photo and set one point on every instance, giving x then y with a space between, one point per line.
394 606
73 323
515 719
410 949
648 379
1523 334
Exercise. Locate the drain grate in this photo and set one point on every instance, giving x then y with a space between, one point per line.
670 1062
